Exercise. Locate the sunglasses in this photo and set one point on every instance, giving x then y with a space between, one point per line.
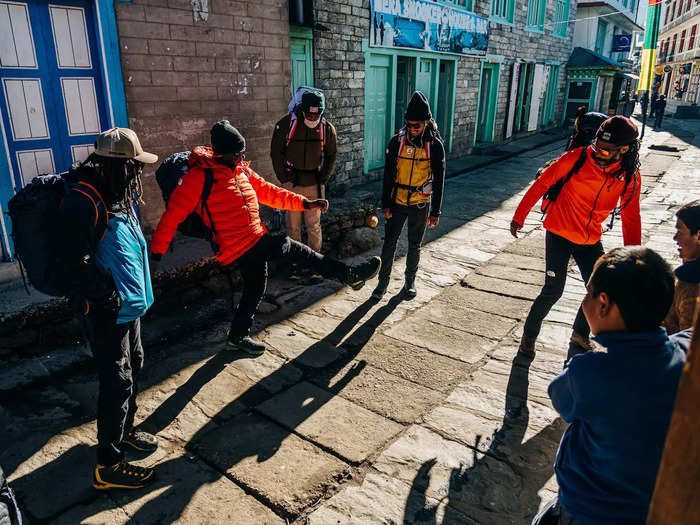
603 152
417 125
312 116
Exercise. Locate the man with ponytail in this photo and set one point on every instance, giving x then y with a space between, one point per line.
607 181
101 254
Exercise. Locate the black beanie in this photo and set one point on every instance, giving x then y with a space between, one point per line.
225 139
418 107
619 130
312 99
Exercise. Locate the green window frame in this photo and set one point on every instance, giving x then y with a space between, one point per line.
600 36
561 17
502 11
466 4
550 102
536 10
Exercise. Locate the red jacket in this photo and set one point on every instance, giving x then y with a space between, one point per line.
585 201
233 204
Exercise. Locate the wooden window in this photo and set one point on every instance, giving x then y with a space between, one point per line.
691 41
535 15
561 16
502 10
682 41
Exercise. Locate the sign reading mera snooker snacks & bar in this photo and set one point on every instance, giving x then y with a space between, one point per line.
421 24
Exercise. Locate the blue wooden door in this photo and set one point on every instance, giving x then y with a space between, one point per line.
51 106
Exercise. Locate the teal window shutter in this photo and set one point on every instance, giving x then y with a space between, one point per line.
561 16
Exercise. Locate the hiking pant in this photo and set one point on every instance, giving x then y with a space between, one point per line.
253 267
417 216
118 355
312 218
554 514
558 251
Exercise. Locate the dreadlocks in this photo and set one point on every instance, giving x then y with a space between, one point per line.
122 181
629 163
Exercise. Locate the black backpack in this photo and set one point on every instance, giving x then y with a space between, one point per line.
33 211
167 175
9 511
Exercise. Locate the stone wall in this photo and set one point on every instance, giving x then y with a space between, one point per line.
182 75
339 69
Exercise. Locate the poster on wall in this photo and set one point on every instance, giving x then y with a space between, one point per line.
621 43
421 24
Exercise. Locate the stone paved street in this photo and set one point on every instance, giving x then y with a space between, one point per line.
397 412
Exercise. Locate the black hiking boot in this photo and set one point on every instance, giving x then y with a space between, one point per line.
122 475
356 276
140 440
409 287
246 344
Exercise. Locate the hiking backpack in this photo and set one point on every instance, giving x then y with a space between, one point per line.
9 511
33 211
168 175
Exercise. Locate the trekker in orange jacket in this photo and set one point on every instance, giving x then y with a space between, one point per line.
239 234
609 174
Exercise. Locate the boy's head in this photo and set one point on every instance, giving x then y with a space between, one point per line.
687 234
631 290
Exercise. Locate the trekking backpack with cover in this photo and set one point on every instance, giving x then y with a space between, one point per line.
33 211
9 511
168 175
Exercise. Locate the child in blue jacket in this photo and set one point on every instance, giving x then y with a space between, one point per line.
618 402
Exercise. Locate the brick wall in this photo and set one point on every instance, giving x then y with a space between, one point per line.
339 69
181 76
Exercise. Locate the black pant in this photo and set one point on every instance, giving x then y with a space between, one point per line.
119 358
253 268
417 216
558 251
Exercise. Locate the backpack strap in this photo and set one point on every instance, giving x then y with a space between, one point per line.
293 121
94 196
553 192
206 191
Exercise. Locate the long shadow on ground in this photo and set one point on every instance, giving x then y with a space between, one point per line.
170 494
495 488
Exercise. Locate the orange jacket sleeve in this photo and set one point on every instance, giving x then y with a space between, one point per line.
274 196
549 176
182 202
631 220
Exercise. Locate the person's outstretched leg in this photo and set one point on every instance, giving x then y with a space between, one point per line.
392 232
557 254
417 222
274 247
585 257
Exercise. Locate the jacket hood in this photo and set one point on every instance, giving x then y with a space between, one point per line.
203 157
689 272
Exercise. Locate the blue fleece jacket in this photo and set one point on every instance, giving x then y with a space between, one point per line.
619 404
123 254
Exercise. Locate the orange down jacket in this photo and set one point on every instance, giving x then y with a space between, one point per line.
586 200
233 204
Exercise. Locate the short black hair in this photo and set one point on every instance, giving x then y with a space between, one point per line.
690 215
639 281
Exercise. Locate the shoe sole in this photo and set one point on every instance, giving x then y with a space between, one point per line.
245 350
359 284
103 485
